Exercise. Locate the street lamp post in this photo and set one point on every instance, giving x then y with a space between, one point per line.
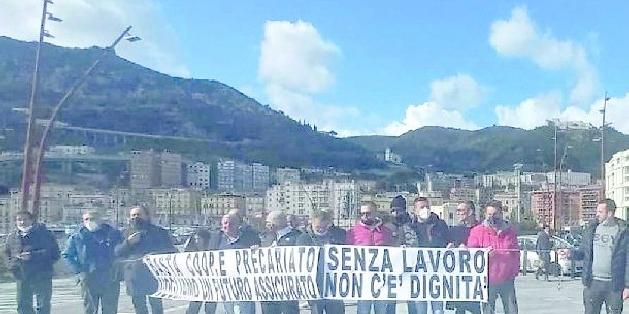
27 170
50 123
555 199
563 158
603 111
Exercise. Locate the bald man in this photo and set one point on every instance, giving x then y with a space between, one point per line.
141 238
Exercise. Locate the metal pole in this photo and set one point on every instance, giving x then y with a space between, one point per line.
27 170
42 143
603 147
170 212
555 181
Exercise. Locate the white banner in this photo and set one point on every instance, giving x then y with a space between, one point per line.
348 272
388 273
262 274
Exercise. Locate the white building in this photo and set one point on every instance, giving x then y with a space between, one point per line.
617 182
255 203
198 177
390 156
260 178
237 177
283 175
446 211
570 178
171 167
216 205
8 208
71 150
340 198
179 206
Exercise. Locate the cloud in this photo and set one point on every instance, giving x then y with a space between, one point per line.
460 91
531 112
303 107
534 112
296 57
449 98
519 37
295 67
428 114
87 23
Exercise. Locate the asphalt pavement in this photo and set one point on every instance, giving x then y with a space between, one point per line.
534 297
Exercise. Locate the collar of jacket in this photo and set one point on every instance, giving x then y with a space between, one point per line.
282 232
375 226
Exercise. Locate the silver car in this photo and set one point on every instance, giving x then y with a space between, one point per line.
562 256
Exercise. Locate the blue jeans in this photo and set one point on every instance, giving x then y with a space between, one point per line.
239 307
422 307
379 307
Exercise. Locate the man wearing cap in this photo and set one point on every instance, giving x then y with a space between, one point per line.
403 235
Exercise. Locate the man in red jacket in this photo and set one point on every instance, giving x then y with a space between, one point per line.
370 231
496 234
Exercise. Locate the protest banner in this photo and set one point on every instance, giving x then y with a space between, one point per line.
261 274
392 273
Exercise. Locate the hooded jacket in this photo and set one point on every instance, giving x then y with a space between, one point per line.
504 258
376 235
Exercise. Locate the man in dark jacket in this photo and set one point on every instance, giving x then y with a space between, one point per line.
403 234
90 255
320 233
31 251
140 239
543 245
458 234
606 261
432 232
282 235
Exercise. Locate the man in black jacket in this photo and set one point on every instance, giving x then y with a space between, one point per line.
142 238
281 234
320 233
432 232
31 251
606 261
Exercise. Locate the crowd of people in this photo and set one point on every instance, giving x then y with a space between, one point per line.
102 256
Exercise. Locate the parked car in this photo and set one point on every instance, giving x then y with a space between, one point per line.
563 255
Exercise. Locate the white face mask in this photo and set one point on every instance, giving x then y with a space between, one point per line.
423 213
91 225
25 229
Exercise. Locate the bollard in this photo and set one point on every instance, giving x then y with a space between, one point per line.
573 265
524 263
